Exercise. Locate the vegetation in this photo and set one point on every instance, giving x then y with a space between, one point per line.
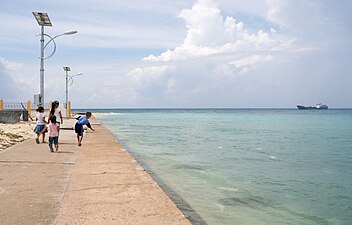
10 135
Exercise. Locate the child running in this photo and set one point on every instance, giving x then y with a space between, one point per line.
53 134
40 127
82 120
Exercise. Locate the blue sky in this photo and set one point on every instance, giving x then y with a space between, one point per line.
199 53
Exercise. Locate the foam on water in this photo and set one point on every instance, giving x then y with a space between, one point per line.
228 189
98 114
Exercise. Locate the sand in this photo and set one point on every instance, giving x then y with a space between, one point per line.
11 134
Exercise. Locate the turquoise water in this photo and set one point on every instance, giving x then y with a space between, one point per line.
254 166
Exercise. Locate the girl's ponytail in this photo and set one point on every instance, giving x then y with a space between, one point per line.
52 110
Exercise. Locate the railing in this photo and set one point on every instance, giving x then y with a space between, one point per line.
30 106
18 106
46 106
14 105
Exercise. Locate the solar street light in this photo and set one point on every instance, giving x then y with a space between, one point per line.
43 20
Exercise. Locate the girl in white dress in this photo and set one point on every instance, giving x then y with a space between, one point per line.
40 128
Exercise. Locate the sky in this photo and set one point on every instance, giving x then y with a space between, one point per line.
181 54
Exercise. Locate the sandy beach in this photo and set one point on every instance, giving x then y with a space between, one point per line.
11 134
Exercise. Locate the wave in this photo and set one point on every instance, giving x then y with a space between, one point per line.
228 189
105 114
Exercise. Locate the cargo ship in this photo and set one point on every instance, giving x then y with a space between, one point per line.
317 106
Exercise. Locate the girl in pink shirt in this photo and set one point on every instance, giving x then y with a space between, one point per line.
53 134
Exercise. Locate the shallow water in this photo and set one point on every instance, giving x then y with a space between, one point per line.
247 166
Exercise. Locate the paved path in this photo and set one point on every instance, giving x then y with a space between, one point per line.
97 183
33 180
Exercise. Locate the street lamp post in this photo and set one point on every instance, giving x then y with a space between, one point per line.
69 78
43 20
67 69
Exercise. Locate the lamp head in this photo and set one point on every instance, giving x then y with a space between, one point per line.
70 32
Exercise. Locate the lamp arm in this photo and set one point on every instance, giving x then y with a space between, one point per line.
70 80
51 40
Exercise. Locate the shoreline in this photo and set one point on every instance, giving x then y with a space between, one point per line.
180 202
108 186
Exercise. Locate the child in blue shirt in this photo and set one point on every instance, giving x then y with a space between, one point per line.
82 120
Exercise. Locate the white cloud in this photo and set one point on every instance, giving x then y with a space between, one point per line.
11 67
322 24
242 65
153 72
215 51
20 74
244 62
209 33
112 24
14 79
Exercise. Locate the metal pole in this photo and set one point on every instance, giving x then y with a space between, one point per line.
67 116
41 99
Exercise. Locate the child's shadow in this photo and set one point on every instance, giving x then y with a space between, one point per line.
64 152
67 143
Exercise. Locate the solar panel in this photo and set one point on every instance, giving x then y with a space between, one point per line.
42 18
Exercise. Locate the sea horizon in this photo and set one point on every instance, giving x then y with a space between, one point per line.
147 108
243 166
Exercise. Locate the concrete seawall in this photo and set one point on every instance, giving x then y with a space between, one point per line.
97 183
11 116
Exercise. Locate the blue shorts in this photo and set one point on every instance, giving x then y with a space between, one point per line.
79 129
39 128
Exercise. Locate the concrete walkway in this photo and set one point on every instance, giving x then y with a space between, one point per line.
97 183
33 180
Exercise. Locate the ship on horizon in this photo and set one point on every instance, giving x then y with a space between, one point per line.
317 106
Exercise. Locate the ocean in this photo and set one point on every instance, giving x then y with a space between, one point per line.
245 166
